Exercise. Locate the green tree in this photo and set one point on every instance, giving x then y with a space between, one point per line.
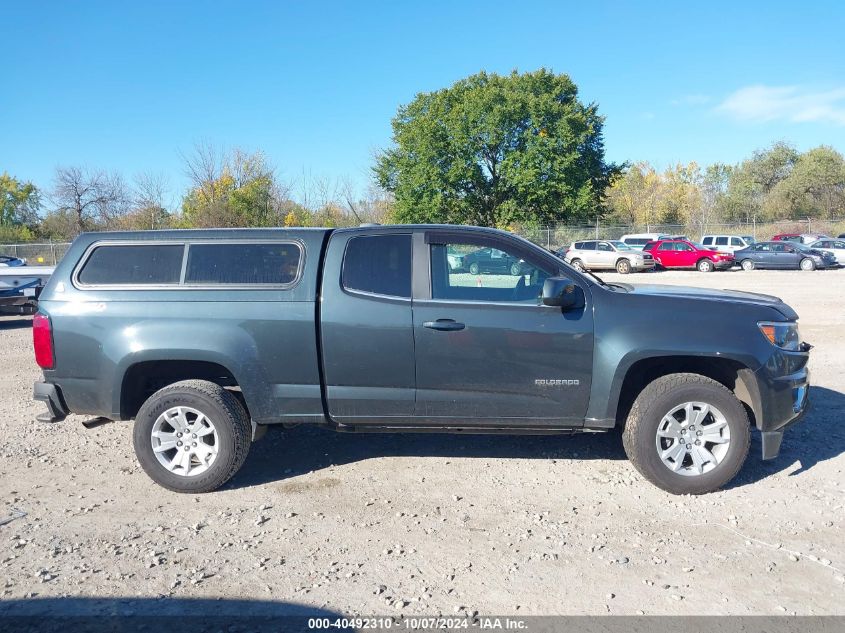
237 189
491 150
814 188
19 202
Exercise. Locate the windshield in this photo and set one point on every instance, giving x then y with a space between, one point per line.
622 246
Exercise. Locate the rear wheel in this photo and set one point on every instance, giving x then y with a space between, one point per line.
516 269
623 266
705 265
687 434
578 265
473 268
808 264
747 264
192 436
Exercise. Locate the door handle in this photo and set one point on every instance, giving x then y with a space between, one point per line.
444 325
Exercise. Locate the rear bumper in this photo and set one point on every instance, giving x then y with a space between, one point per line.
50 395
725 265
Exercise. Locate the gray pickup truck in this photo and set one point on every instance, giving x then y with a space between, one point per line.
206 337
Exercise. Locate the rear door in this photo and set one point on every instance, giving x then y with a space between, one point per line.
366 327
487 352
605 255
665 253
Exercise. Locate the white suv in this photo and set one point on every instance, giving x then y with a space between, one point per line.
608 254
727 243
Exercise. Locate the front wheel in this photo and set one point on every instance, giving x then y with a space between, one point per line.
578 265
747 264
623 266
516 269
192 436
687 434
705 266
473 268
808 264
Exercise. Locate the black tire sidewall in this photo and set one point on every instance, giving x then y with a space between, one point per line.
738 424
812 265
221 468
749 262
623 267
705 266
474 269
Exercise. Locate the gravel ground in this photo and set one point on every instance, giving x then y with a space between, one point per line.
427 524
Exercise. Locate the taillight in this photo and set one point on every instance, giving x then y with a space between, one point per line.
42 341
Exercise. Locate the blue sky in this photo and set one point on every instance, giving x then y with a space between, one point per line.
128 85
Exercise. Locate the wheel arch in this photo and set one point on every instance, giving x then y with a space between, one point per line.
731 373
144 377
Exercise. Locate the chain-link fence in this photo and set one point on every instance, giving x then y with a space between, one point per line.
551 237
48 254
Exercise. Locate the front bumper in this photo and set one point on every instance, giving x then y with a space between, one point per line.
50 395
784 389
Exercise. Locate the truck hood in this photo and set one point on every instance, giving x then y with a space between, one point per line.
707 294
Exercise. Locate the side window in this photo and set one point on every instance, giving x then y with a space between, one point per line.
680 246
129 264
667 246
839 245
243 263
649 246
588 246
721 241
380 264
578 246
478 277
604 246
735 241
707 241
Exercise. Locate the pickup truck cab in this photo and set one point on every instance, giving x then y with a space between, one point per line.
205 338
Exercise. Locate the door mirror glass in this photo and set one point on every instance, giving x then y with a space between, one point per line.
561 292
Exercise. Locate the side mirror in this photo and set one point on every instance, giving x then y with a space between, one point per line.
561 292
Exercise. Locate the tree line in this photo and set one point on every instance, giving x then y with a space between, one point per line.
493 150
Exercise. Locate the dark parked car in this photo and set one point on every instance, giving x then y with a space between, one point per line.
784 255
8 260
492 260
205 338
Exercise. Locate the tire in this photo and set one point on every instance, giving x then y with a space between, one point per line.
176 407
623 266
649 415
807 264
577 264
705 266
747 264
473 268
516 269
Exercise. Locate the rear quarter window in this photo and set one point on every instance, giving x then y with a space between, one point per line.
132 264
379 264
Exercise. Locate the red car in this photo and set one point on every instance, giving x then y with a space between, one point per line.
684 254
787 237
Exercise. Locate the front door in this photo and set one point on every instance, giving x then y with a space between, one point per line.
487 353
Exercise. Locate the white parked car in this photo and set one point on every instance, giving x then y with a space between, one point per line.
809 238
638 240
727 243
607 255
834 246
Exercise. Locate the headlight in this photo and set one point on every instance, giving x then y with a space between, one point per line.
782 334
